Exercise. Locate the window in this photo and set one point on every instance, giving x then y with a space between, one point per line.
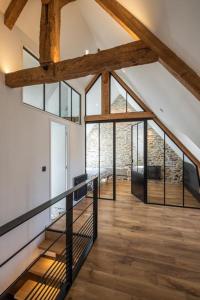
93 99
66 99
32 95
75 107
57 98
120 100
118 97
52 98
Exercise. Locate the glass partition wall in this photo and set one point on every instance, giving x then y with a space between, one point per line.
100 156
140 156
58 98
137 152
172 179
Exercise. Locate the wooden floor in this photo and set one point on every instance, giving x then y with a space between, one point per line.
143 252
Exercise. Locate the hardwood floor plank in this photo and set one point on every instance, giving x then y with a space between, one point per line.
143 252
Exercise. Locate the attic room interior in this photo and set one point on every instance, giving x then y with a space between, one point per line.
100 149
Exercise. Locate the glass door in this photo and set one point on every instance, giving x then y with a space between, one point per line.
138 166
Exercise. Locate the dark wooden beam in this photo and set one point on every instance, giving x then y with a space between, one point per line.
50 32
13 11
105 93
120 116
132 54
167 57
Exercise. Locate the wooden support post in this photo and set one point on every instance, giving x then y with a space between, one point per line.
105 95
50 32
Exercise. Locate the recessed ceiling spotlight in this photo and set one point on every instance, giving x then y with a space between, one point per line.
123 71
87 52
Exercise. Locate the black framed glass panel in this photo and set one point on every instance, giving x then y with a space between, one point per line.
92 150
106 160
93 98
138 184
191 184
124 158
55 98
132 105
155 163
66 99
117 97
75 107
173 173
52 98
32 95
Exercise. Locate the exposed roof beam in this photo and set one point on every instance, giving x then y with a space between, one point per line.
120 116
13 11
167 57
132 54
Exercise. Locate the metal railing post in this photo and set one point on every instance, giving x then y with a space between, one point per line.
69 238
95 208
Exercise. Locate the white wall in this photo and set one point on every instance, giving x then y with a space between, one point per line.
25 148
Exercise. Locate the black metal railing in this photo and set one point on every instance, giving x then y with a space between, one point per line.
69 239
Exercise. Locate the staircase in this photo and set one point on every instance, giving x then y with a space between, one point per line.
66 243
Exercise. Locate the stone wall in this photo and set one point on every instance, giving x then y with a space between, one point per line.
173 162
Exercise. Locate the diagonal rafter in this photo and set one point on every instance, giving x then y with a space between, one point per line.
167 57
13 11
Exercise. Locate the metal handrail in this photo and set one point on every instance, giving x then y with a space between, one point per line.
4 229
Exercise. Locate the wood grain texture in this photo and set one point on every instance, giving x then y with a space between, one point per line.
143 252
50 32
132 54
105 94
176 66
13 11
120 116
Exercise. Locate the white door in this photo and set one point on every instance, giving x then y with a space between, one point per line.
58 166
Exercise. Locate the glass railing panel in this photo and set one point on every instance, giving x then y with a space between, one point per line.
75 107
66 95
52 98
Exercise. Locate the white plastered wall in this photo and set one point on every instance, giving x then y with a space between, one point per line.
25 148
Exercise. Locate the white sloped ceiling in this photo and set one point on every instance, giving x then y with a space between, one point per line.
85 25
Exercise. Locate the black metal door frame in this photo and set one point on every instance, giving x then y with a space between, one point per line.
114 155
